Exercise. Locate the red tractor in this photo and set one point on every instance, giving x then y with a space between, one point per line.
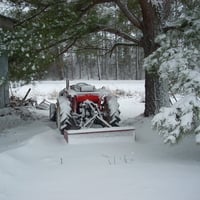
82 106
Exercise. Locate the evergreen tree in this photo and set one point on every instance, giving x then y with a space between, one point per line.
179 58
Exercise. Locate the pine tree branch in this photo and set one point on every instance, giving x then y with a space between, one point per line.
85 8
119 33
120 44
54 44
92 48
66 48
131 17
122 6
32 17
42 5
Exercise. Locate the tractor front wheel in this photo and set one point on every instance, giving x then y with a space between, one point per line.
52 112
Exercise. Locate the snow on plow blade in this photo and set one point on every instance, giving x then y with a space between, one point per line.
129 129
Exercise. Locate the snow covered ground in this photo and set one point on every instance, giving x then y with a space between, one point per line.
37 163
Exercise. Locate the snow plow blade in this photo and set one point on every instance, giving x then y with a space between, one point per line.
130 130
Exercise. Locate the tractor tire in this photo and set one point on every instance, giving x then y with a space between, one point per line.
52 112
58 120
111 111
64 119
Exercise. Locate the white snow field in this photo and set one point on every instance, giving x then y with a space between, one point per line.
37 164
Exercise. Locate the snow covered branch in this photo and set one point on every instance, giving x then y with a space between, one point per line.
181 119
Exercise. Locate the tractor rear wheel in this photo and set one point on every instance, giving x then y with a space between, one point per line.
64 118
111 110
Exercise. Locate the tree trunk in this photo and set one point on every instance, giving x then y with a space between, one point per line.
137 64
72 65
80 66
116 64
156 93
98 66
150 97
162 95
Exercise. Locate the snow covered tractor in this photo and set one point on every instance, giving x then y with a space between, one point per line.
85 109
84 106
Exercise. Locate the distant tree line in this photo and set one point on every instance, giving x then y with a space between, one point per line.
123 63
